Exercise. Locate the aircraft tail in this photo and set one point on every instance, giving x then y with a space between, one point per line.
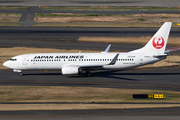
157 43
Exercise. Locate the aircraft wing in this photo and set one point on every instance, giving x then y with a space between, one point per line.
100 65
91 66
86 66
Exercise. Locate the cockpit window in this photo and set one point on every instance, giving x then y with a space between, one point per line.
13 59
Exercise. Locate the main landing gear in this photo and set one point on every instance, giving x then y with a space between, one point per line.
21 73
88 73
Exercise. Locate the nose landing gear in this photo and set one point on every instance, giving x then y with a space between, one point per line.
21 73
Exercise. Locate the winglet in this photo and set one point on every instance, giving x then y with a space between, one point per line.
107 49
114 60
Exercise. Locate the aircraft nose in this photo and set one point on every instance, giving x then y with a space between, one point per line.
5 64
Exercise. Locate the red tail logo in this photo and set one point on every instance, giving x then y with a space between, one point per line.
158 42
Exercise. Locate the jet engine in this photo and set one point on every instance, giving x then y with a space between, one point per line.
69 70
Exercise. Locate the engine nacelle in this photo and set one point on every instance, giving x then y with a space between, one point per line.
68 70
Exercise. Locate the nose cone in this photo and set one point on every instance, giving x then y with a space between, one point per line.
6 64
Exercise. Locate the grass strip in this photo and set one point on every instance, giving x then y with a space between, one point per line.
20 107
105 20
106 8
9 24
80 94
9 19
12 8
99 24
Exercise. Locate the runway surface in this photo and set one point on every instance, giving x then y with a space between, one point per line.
75 45
155 78
68 45
161 3
73 33
86 12
116 114
158 78
66 38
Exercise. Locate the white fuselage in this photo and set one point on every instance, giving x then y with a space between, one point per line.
46 61
73 63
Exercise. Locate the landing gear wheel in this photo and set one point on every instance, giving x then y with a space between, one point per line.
88 73
20 74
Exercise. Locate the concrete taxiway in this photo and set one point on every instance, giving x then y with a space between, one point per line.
154 78
116 114
159 3
73 33
67 38
87 12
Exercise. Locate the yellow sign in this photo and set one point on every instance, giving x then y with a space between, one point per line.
158 96
151 96
178 23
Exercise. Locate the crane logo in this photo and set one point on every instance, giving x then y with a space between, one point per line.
158 42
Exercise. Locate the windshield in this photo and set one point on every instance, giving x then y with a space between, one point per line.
13 59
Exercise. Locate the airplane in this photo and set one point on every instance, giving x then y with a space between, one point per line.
74 63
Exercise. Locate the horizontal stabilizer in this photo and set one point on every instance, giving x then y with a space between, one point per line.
167 51
161 55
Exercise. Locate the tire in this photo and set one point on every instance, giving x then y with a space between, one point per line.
88 74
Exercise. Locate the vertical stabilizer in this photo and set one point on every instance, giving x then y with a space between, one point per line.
107 49
158 42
